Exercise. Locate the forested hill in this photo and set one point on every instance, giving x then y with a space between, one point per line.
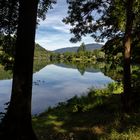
40 52
40 61
89 47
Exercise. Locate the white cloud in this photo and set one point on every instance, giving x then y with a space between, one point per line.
52 33
65 29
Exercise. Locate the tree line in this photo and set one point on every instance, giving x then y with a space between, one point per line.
81 55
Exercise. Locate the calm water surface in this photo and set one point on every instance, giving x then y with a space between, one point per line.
54 84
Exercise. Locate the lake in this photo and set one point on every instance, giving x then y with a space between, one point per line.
57 83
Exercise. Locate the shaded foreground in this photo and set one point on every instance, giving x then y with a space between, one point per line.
97 116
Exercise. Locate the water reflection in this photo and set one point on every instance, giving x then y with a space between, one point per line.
5 91
56 83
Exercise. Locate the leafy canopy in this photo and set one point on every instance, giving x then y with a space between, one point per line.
9 13
102 19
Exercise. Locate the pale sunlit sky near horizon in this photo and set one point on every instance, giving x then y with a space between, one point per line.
52 33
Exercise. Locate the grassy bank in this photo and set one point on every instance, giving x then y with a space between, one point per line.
97 116
4 74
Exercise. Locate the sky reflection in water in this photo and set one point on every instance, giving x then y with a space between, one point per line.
54 84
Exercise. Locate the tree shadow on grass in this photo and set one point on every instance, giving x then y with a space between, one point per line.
91 117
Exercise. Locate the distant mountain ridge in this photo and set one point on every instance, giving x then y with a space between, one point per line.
89 47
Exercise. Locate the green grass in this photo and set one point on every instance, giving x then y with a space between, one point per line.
97 116
5 74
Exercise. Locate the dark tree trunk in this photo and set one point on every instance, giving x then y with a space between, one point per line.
17 123
127 57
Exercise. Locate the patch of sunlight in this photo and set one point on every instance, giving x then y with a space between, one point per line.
51 117
115 88
88 107
60 130
97 129
92 105
34 119
130 135
94 129
54 122
118 90
117 122
80 128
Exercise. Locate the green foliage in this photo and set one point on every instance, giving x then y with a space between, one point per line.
82 48
41 53
115 88
81 56
97 115
109 24
8 16
38 65
113 49
7 48
9 13
7 52
5 74
43 7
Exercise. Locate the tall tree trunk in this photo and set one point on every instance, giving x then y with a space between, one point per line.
17 122
127 56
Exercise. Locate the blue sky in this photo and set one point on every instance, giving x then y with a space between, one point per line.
52 33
